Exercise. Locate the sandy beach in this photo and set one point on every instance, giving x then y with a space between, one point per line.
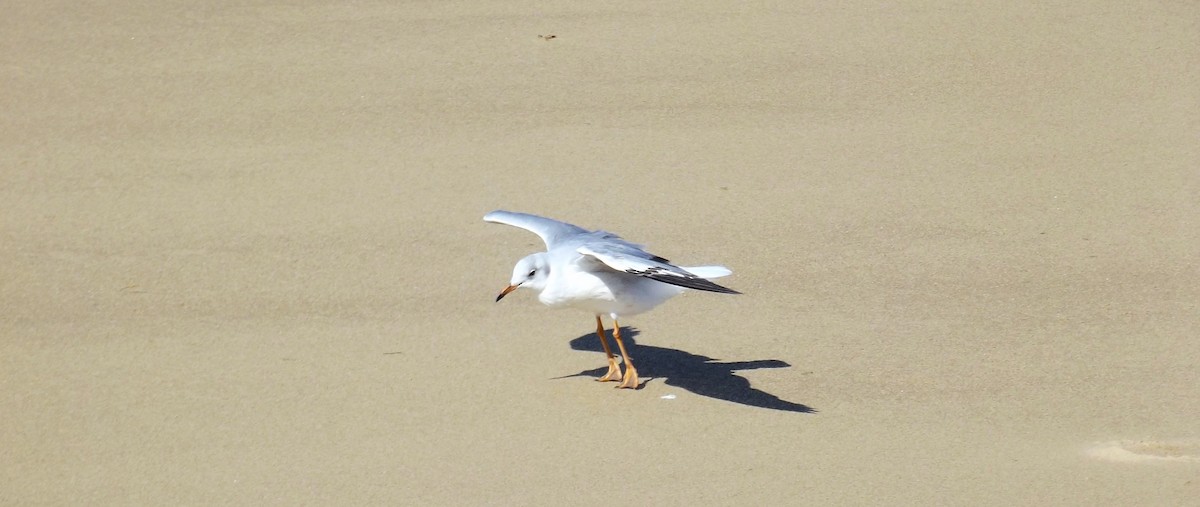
243 260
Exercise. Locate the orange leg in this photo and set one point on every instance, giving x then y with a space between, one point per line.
630 380
614 371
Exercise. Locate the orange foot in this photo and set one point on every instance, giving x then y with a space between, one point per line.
614 372
630 380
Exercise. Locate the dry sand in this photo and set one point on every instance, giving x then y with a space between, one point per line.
243 260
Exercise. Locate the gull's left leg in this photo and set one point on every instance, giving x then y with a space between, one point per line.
630 380
614 371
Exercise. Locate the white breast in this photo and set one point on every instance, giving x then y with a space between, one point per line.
606 293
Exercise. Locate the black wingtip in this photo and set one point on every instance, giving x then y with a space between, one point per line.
693 283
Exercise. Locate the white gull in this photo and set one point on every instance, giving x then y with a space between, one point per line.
600 273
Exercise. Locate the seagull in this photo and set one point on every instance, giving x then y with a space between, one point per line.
598 272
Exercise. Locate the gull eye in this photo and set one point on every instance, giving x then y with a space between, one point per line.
532 272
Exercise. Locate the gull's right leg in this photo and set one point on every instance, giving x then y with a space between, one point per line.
614 371
630 381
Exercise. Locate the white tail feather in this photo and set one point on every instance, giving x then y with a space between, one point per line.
709 271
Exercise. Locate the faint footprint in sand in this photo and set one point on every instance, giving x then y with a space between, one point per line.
1134 451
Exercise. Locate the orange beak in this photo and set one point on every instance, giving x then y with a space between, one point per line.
505 292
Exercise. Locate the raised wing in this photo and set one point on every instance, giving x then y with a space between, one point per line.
626 257
551 231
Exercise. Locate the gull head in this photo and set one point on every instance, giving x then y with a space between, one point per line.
530 272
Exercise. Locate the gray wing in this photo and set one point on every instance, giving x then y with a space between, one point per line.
627 257
551 231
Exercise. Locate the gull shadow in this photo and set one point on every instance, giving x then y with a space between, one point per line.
695 373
